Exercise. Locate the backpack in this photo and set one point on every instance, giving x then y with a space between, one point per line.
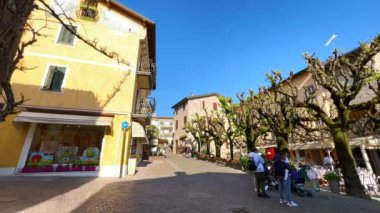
251 165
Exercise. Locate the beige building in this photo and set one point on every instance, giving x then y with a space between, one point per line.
185 110
165 125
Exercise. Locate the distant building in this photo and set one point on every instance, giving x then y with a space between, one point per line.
166 130
185 110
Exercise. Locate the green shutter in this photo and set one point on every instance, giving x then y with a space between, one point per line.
59 74
49 78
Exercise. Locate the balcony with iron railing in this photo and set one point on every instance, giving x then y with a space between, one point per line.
166 135
144 107
146 73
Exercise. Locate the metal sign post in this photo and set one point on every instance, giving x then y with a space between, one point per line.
124 126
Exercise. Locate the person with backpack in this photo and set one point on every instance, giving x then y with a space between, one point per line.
256 165
282 171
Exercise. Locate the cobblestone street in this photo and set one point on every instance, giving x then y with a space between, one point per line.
174 184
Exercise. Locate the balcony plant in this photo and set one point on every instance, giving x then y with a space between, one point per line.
333 179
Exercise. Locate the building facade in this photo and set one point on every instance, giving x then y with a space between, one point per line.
82 108
165 125
185 110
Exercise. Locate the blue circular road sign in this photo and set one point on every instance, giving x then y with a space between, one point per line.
125 125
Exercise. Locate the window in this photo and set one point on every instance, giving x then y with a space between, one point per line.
54 79
176 124
185 120
65 36
203 105
184 107
88 10
310 91
61 145
215 106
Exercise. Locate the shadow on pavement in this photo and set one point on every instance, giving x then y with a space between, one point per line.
19 193
210 192
144 163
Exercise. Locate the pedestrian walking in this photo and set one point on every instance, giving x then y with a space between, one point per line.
282 171
259 172
328 162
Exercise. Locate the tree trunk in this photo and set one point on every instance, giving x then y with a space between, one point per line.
13 17
282 142
231 150
217 150
347 162
254 138
208 147
7 90
248 136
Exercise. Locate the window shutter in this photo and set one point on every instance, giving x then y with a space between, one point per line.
59 74
49 78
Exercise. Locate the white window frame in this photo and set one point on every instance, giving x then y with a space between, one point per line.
42 89
59 32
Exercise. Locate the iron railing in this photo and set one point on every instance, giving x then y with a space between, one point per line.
147 65
145 106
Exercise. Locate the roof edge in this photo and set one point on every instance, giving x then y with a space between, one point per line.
193 97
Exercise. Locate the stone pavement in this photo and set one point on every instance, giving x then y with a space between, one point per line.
174 184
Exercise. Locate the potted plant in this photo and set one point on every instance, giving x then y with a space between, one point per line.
77 166
90 165
333 179
31 167
244 162
63 168
45 166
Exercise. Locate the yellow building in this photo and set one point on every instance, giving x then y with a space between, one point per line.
77 98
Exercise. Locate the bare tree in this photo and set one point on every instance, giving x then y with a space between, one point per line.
229 121
198 128
215 129
344 77
249 120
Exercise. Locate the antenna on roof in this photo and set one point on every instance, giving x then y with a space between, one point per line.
331 39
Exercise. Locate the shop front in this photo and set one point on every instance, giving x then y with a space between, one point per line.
62 143
139 139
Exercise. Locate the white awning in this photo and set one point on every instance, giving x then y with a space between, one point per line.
139 132
49 118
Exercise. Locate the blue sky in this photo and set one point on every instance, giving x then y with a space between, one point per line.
227 46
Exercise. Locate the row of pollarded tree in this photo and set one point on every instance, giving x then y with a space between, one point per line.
290 113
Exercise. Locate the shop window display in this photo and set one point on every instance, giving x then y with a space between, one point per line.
64 148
